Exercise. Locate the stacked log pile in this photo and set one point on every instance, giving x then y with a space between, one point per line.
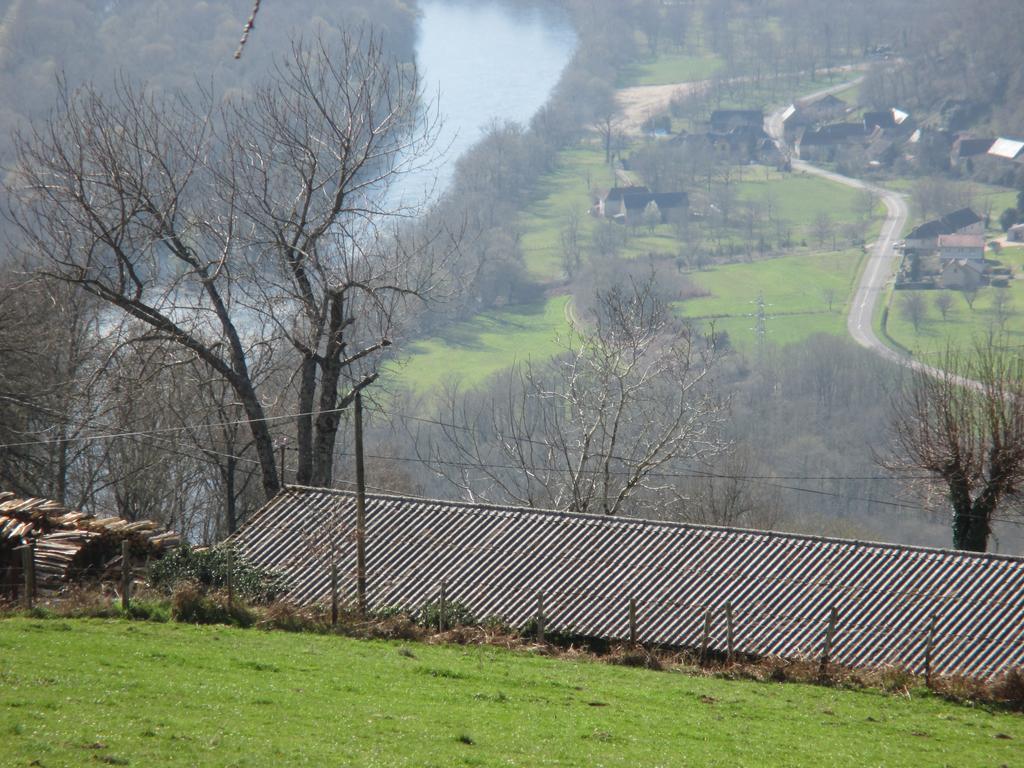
72 545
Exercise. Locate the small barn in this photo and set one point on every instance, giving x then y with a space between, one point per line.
671 584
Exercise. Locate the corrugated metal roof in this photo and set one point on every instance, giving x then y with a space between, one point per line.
496 560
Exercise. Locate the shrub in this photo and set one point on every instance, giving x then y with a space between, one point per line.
190 604
1010 688
455 615
149 610
209 568
292 618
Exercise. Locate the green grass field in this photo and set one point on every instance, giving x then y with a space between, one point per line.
88 692
800 198
796 291
469 352
473 350
670 68
963 325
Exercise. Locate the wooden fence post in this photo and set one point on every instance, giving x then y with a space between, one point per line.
540 617
126 574
928 648
632 621
826 646
729 634
334 591
28 566
705 637
229 578
441 607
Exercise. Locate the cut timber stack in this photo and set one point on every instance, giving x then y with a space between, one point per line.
72 545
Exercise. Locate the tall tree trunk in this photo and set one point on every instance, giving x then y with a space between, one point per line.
305 472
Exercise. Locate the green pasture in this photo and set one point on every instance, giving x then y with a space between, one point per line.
470 351
963 325
796 291
670 68
800 198
91 692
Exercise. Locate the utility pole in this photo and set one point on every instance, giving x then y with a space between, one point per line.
281 443
760 328
360 510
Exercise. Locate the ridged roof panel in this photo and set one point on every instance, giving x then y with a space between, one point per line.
497 560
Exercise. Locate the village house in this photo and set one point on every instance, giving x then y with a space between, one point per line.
966 148
925 237
811 113
724 120
886 119
820 143
1007 149
962 274
962 247
1015 234
627 204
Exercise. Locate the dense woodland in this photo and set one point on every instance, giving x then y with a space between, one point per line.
793 437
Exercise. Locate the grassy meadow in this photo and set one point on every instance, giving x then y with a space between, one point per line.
796 291
795 284
87 692
473 350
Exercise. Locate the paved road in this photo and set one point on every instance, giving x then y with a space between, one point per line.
881 260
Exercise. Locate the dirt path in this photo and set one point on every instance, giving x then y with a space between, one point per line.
644 101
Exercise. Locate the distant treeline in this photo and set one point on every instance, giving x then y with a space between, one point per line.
166 44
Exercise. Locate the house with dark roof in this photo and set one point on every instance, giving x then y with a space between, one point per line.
832 134
925 237
806 114
628 204
586 575
965 148
724 120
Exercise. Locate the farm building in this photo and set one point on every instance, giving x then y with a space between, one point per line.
581 571
627 204
925 237
724 120
958 247
962 274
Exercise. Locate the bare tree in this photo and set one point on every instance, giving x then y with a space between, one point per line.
572 247
970 294
1002 307
944 303
600 427
965 426
823 229
230 227
913 309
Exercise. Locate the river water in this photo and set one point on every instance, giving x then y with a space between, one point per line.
484 61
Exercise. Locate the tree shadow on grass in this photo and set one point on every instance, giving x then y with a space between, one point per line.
467 334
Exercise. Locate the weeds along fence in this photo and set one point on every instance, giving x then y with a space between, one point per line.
728 632
727 591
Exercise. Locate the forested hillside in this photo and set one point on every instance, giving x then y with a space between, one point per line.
167 44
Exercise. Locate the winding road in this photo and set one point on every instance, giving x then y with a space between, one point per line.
882 257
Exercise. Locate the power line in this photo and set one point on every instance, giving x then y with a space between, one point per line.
765 480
